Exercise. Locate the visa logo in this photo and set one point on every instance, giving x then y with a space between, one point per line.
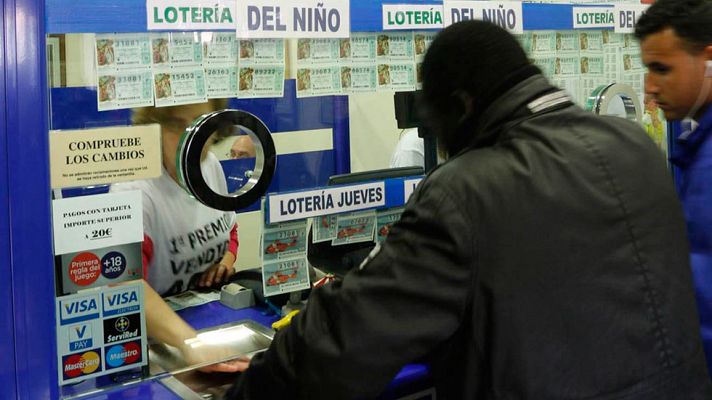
78 309
80 306
120 299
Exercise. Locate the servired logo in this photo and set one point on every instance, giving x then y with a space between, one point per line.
75 365
123 354
120 329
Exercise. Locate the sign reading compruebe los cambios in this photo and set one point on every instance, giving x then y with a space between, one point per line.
104 155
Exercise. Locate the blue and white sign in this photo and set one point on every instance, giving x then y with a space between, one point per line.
80 337
298 205
293 19
121 300
78 308
592 17
191 15
626 16
412 16
409 186
109 321
506 14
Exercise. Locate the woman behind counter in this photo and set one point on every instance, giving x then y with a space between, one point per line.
186 245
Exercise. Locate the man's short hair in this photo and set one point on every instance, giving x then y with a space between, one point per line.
472 56
690 19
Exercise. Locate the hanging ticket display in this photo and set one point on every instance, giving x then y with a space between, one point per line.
177 86
284 258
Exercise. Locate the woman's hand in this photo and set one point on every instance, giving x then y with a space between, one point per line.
215 275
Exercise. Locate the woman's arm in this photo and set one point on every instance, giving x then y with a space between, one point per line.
164 325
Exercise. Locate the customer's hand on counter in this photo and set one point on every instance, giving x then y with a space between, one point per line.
197 352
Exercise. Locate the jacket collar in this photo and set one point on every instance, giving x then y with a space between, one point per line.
508 107
685 150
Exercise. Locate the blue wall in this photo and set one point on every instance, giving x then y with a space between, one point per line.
75 108
7 324
26 179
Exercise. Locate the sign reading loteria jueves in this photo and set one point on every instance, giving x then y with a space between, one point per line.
191 14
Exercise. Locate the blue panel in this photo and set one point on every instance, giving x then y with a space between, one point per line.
29 183
394 193
95 16
290 113
85 191
76 108
150 390
294 172
366 15
7 324
342 134
215 314
551 17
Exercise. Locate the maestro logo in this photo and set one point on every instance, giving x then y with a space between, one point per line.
123 354
75 365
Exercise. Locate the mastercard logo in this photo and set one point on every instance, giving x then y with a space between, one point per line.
81 364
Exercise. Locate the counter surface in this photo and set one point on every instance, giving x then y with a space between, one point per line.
411 378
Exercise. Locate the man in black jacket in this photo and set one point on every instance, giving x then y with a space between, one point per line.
546 259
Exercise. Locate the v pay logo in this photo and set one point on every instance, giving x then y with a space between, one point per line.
80 337
79 332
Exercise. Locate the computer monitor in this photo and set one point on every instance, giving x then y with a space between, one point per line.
340 259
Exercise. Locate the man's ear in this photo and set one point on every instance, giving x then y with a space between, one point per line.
708 63
465 103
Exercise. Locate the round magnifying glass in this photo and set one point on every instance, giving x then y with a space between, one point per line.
226 159
616 99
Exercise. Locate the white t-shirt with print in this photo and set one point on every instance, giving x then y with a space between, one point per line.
188 237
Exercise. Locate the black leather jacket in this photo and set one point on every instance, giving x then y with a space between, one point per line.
547 261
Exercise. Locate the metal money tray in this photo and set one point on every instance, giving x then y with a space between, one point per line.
242 338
